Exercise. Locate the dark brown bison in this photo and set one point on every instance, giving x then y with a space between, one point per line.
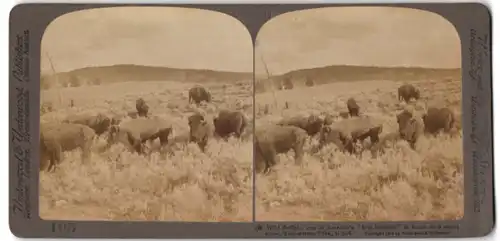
199 130
100 123
437 119
56 138
275 139
199 94
408 91
141 107
311 124
352 107
134 133
229 122
410 128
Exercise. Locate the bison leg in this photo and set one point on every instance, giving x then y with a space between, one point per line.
55 158
449 124
203 144
299 150
86 150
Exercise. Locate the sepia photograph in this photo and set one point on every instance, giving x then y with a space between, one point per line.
146 115
358 116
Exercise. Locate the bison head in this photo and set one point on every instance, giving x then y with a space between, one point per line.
339 138
197 127
417 94
314 125
403 118
101 124
141 107
411 131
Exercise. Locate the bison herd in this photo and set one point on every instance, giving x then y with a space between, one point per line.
80 131
347 134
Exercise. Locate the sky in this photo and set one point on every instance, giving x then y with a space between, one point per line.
157 36
370 36
202 39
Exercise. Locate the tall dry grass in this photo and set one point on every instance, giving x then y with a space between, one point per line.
401 184
119 185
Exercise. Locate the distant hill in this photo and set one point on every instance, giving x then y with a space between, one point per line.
335 73
121 73
321 75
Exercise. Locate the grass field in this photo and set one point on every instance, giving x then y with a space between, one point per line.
119 185
402 184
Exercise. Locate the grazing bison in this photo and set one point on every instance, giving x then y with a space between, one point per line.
352 107
100 123
311 124
340 138
275 139
437 119
361 128
410 128
228 122
134 133
199 94
141 107
408 91
56 138
199 130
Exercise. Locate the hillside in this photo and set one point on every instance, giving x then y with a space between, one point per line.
121 73
335 73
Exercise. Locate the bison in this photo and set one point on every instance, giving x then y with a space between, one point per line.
312 124
100 123
408 91
409 127
56 138
199 130
141 107
199 94
361 128
134 133
228 122
275 139
339 138
352 107
437 119
351 130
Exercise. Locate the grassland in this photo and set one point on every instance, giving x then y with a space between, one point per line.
119 185
402 184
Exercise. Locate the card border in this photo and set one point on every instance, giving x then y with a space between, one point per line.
30 19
